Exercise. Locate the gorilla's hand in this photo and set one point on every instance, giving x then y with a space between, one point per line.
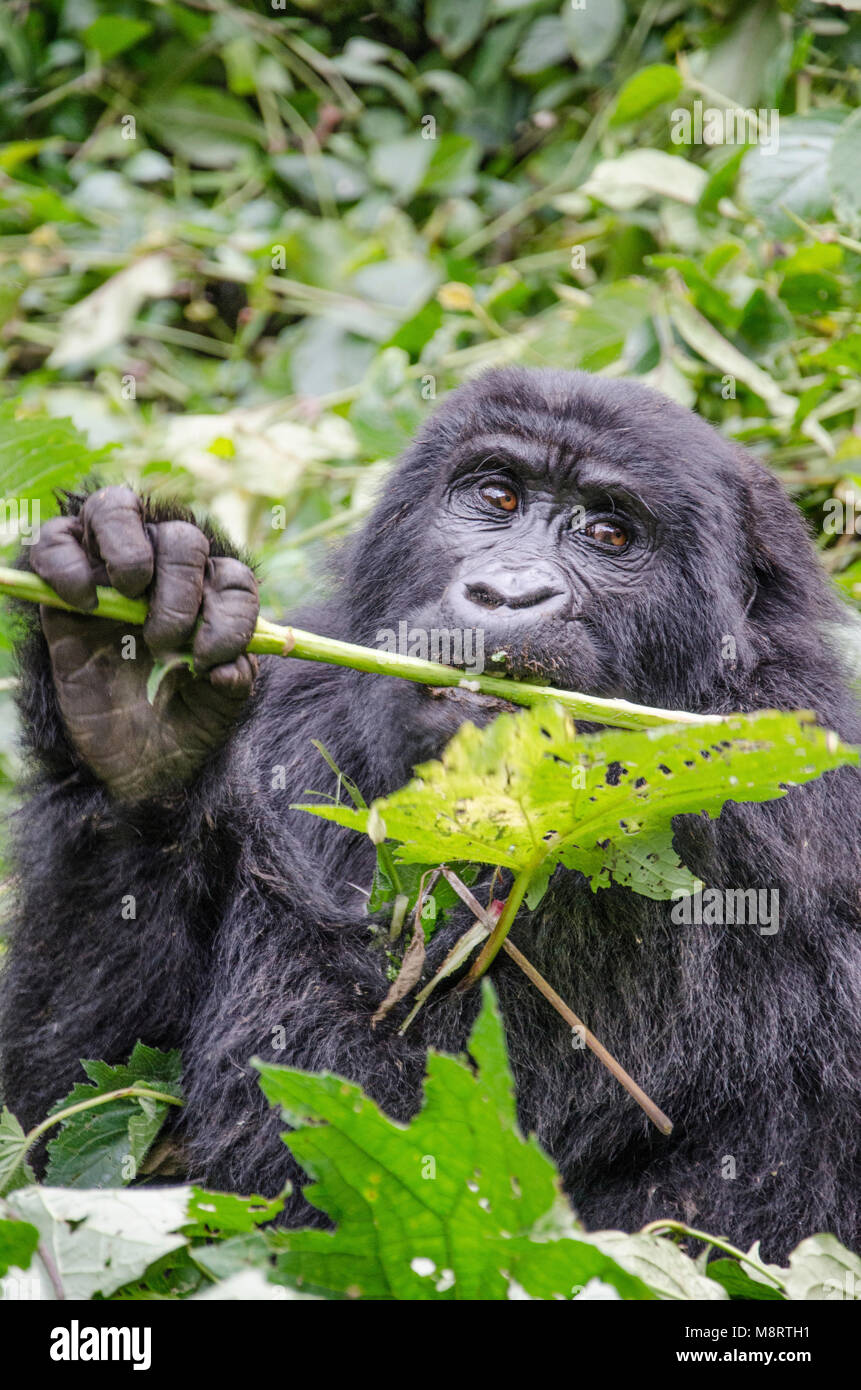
101 667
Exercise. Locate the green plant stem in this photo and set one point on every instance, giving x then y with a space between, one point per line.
681 1229
138 1091
493 944
270 639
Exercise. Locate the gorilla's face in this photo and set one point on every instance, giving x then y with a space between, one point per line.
547 547
597 536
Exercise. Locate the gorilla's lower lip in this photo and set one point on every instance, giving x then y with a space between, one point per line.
469 698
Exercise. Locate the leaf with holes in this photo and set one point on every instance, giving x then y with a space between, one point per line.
455 1205
528 791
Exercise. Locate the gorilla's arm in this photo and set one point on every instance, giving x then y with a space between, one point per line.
295 981
194 917
116 896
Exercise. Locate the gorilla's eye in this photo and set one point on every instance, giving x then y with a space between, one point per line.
499 496
607 533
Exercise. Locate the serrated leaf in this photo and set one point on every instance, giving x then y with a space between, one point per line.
660 1264
39 453
211 1213
105 1146
820 1270
528 791
450 1206
99 1241
14 1172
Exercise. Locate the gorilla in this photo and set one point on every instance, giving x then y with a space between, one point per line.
607 541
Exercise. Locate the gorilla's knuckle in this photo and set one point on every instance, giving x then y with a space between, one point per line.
181 542
228 573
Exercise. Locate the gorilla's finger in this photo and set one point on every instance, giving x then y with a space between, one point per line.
236 677
59 558
181 553
114 530
230 608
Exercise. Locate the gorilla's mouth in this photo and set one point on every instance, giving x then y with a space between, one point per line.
562 652
469 700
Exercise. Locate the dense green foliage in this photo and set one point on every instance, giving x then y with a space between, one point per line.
456 1205
259 294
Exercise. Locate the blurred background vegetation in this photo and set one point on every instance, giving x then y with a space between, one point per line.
248 245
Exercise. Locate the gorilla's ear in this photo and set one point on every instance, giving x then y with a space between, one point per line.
786 579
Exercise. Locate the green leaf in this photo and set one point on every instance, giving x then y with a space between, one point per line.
843 354
820 1270
209 128
843 165
793 176
439 902
591 30
224 1259
637 175
649 87
111 34
18 1241
39 454
344 182
389 410
527 791
659 1263
220 1213
765 321
848 582
14 1172
453 1205
453 166
401 164
454 25
733 1277
106 1145
93 326
700 334
738 66
600 333
99 1241
544 46
365 60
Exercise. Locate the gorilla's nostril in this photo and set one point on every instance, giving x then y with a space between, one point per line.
514 589
532 600
484 596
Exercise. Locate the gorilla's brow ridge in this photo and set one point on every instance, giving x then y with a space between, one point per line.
559 463
482 449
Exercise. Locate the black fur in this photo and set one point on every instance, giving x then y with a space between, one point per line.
247 917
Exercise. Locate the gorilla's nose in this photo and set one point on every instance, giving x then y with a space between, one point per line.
532 591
